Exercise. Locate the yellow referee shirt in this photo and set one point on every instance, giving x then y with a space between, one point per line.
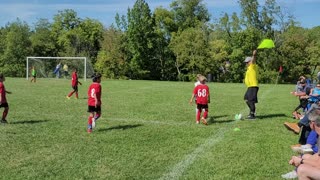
251 79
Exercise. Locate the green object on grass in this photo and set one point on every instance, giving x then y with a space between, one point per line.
236 129
266 44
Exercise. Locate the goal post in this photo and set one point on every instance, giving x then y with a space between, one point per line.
43 61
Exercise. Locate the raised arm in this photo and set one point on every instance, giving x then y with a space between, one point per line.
254 54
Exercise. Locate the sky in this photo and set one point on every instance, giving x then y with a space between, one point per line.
30 11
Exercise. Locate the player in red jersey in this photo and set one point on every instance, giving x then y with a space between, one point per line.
94 101
202 93
3 99
74 84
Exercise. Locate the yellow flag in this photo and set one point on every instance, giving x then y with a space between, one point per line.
266 44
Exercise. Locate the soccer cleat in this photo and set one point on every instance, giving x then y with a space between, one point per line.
251 117
297 115
293 127
68 97
290 175
197 122
4 121
204 121
296 147
89 130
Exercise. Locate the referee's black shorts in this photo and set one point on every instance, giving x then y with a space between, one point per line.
252 94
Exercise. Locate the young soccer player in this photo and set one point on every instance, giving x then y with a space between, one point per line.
74 84
195 85
33 74
94 101
203 98
3 99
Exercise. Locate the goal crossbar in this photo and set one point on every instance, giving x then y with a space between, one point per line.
79 58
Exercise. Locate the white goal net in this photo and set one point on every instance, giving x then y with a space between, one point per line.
59 67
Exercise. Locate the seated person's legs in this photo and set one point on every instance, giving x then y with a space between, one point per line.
308 172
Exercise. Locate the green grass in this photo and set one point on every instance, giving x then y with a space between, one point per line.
147 131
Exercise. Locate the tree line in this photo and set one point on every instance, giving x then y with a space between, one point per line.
171 44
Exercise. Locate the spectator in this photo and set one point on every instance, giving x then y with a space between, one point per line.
311 161
308 166
304 123
302 94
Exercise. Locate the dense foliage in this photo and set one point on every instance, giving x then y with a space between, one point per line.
171 44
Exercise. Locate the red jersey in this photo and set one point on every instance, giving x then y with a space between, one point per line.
3 93
202 93
74 80
94 91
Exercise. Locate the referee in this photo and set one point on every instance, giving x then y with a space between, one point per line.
251 81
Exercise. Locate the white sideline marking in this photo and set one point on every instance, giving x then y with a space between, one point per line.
177 171
179 168
153 121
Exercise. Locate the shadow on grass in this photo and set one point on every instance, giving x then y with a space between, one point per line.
271 116
29 122
73 98
213 119
122 127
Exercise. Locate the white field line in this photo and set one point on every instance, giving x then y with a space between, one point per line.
177 170
169 122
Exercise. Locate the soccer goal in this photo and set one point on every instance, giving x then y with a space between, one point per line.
59 67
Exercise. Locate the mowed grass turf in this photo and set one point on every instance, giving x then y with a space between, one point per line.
147 131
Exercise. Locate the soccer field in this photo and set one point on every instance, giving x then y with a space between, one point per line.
147 131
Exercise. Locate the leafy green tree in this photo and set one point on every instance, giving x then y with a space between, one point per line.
42 44
191 50
164 25
219 63
140 42
225 25
250 13
189 13
235 23
17 48
111 61
293 53
265 19
89 33
2 43
65 33
313 49
76 37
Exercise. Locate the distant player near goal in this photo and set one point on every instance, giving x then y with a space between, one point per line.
203 98
94 101
74 84
33 74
